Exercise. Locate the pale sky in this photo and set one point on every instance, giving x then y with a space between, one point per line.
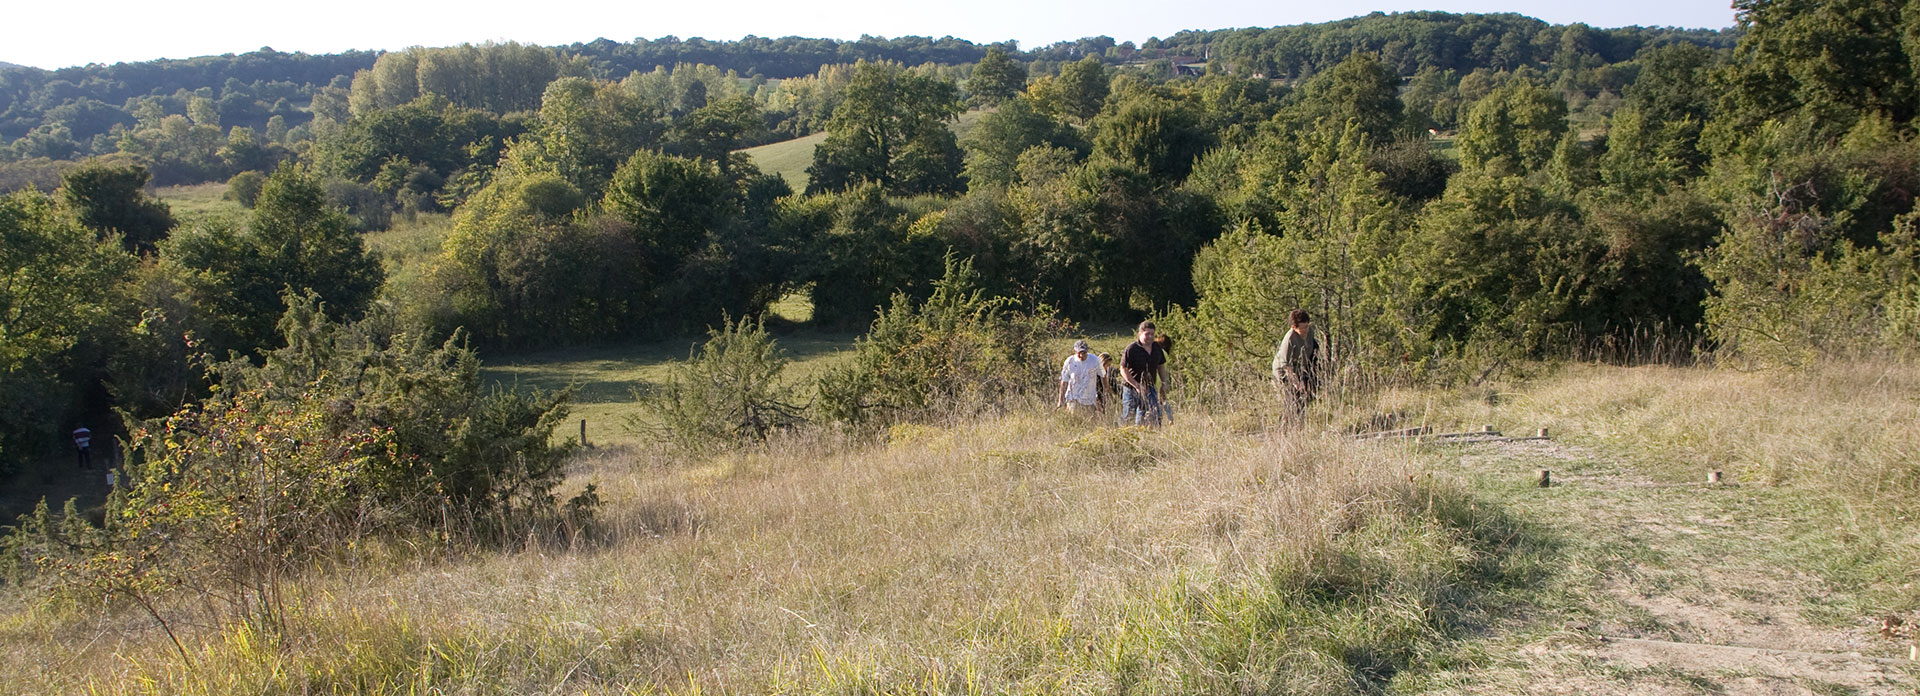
109 31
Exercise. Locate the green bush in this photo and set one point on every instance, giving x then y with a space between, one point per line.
728 392
956 352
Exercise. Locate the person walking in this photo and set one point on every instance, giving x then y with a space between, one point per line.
83 446
1080 380
1296 365
1140 368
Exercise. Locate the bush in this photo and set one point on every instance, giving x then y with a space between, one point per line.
959 351
728 392
244 188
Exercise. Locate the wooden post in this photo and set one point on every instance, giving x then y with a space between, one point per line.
1486 428
583 432
1542 433
1713 477
1546 478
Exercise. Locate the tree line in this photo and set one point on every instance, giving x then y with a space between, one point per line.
49 119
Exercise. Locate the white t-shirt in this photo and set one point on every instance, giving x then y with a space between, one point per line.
1082 378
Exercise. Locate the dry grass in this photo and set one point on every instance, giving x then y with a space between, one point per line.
1028 553
1852 428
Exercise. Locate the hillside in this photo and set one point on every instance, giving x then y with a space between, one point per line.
1033 553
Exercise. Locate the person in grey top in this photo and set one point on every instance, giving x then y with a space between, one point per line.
1296 366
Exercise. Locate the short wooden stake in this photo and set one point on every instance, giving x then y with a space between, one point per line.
1542 433
583 432
1546 478
1713 477
1913 651
1486 428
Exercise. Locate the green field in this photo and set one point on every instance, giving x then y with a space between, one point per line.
198 202
606 378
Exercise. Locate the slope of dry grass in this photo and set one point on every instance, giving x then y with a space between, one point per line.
1026 553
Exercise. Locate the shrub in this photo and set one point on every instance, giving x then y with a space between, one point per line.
728 392
957 351
244 188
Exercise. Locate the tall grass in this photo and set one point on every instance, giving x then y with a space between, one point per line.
1847 428
1026 553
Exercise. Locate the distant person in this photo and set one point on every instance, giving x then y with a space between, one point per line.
1080 380
1110 388
83 446
1296 365
1163 409
1140 369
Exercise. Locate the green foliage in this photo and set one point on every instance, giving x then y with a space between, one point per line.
1501 263
499 78
111 201
1787 291
350 432
1153 133
859 248
994 146
1082 88
891 131
1335 251
996 79
726 394
55 278
1834 63
672 204
587 129
244 188
1360 92
294 240
1514 129
957 352
714 131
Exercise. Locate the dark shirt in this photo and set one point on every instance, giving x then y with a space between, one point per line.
1139 362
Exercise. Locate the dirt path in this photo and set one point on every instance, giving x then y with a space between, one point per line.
1669 588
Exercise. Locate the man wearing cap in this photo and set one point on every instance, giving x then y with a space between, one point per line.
1080 380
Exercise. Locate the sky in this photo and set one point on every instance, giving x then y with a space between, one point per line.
110 31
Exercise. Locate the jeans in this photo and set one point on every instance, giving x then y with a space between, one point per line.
1138 410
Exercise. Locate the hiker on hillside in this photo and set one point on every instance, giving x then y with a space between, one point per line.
1110 386
1296 365
83 446
1080 380
1163 409
1140 370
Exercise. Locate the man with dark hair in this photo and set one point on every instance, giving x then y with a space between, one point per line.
1296 365
1140 369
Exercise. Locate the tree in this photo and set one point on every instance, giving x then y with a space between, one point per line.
1514 129
1083 87
588 128
294 240
55 278
1360 90
892 131
672 203
1155 134
995 143
996 79
111 200
714 131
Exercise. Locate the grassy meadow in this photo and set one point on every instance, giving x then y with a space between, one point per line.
1030 551
198 202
